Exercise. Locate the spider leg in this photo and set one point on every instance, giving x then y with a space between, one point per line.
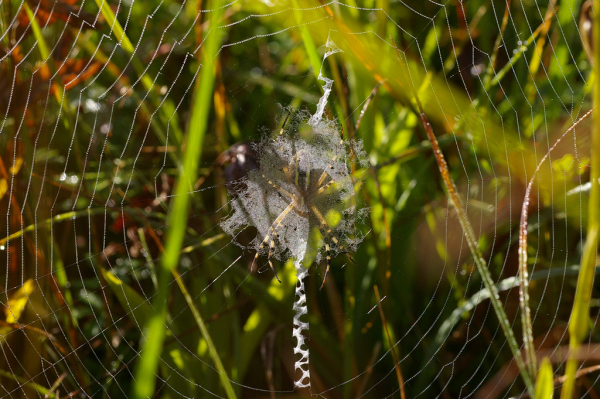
278 188
285 121
290 207
269 239
327 235
325 225
325 187
353 261
272 234
328 265
285 169
322 188
307 180
271 249
294 165
325 174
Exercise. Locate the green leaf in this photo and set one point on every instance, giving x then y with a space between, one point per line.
136 306
18 301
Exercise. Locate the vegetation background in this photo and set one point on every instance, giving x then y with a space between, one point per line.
112 111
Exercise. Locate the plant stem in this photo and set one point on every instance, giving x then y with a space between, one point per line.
155 329
579 322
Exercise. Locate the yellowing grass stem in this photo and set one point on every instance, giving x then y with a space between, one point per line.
115 25
154 330
578 324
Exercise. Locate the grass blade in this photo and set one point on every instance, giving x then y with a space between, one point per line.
47 59
166 110
309 44
391 344
507 284
63 217
578 324
42 391
155 329
202 326
544 384
523 258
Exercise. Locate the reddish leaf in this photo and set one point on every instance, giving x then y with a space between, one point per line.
77 71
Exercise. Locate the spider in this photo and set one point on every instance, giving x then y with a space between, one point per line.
302 182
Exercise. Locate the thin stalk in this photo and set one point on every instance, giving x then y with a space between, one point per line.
155 328
390 343
209 343
579 322
195 312
25 382
507 284
481 264
47 59
513 60
166 110
523 258
148 257
63 217
309 44
492 65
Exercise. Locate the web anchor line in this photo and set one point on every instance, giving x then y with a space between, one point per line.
300 309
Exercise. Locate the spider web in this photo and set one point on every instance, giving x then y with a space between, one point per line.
96 99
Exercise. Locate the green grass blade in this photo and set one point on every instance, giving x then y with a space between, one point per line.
45 54
166 110
37 32
488 84
145 373
309 44
262 316
211 346
578 324
115 26
148 257
137 307
63 217
42 391
483 294
544 384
